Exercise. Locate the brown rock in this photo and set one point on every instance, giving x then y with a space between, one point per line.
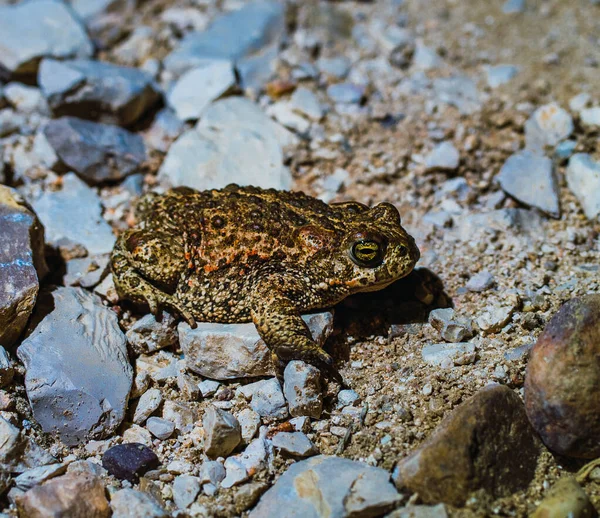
486 443
64 496
562 386
565 498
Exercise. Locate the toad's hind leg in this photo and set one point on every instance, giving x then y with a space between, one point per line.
146 269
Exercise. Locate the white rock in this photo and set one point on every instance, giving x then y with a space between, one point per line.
583 179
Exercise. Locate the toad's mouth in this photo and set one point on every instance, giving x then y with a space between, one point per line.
377 287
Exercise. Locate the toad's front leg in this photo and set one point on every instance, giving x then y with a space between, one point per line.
274 309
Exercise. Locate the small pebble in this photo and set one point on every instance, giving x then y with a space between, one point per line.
160 428
129 461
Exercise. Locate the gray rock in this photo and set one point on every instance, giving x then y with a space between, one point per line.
499 75
458 91
565 149
284 113
451 328
449 354
185 490
96 152
19 453
165 128
25 99
160 428
208 387
519 222
88 9
548 125
23 264
130 503
420 511
336 67
97 90
494 319
302 389
579 102
249 37
341 486
481 281
236 473
198 87
30 31
583 179
347 397
212 472
182 415
249 422
35 476
147 335
86 272
530 178
426 58
254 457
346 93
590 116
513 6
230 351
294 443
147 405
76 201
267 398
7 370
10 122
222 432
443 157
78 375
305 101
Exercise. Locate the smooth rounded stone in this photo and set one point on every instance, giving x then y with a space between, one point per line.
486 443
306 102
36 476
579 102
590 116
447 355
425 58
530 178
346 93
160 428
62 496
96 152
583 179
565 149
283 112
443 157
481 281
185 490
459 91
512 221
494 319
513 6
562 375
548 125
267 398
249 37
23 264
347 397
78 375
147 405
222 432
249 422
212 472
136 433
97 90
19 453
148 335
341 486
130 503
198 87
25 99
302 389
451 329
499 75
30 31
294 443
565 498
336 67
129 461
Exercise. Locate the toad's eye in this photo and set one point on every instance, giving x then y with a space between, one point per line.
367 253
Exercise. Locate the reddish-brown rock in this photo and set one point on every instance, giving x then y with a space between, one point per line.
562 386
486 443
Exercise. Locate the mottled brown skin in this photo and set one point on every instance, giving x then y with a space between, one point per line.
247 254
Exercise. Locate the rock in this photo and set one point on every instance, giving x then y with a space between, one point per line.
346 93
294 443
198 87
341 486
7 370
130 503
420 511
23 265
451 329
548 125
182 415
160 428
449 354
96 152
137 434
513 6
236 473
494 319
97 90
283 112
19 453
565 149
185 490
25 99
336 67
458 91
74 202
565 498
147 405
62 496
590 116
249 422
562 372
147 335
129 461
583 179
78 375
530 178
304 101
499 75
443 157
212 472
486 443
267 398
36 476
516 222
481 281
425 58
10 122
30 31
86 272
302 389
208 387
222 432
347 397
230 351
579 102
249 38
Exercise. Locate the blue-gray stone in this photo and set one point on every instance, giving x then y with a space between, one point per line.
97 91
346 93
590 116
458 91
565 149
583 179
96 152
548 125
500 74
333 485
530 178
444 157
337 67
513 6
78 375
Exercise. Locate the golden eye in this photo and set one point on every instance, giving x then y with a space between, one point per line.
367 253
